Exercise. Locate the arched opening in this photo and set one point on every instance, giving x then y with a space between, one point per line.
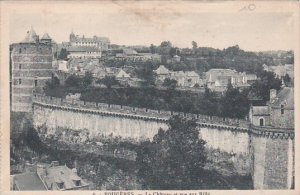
261 122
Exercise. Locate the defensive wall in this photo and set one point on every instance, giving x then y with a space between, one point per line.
264 152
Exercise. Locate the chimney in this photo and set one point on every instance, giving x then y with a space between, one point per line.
273 94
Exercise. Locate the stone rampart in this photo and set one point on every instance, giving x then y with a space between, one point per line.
267 153
203 120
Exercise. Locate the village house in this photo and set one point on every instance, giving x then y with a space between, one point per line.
218 79
278 112
48 177
184 79
133 56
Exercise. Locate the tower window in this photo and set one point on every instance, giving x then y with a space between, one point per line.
20 50
282 109
20 81
35 82
261 122
20 66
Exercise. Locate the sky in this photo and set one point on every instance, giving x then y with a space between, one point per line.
259 31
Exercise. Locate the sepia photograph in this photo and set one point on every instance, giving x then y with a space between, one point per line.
139 95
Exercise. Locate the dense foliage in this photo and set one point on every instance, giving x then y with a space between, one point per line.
62 54
79 81
108 81
175 159
261 88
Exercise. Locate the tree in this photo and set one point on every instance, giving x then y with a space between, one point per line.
87 79
145 73
195 45
262 87
108 81
166 44
73 81
170 83
53 83
63 54
152 49
175 159
234 104
287 79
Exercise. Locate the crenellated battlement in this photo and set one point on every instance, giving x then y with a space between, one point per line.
138 113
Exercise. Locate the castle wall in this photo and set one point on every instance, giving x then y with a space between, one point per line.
226 140
267 153
285 120
97 125
273 160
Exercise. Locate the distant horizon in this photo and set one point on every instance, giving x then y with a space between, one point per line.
144 45
127 25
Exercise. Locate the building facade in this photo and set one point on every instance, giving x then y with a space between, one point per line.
31 67
102 43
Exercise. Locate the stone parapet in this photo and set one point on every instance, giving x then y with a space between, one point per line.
141 113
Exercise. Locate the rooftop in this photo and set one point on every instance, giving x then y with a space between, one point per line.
28 181
284 97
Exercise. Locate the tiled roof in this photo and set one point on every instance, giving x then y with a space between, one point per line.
122 74
162 70
94 39
62 174
29 181
284 97
191 74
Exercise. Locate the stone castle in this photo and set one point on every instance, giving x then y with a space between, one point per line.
264 150
265 142
30 67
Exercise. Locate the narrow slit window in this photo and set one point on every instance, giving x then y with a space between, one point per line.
282 109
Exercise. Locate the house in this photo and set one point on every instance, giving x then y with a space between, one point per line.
278 113
184 79
63 65
44 177
251 78
218 79
162 73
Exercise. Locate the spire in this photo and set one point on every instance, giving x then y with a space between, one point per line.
46 36
31 36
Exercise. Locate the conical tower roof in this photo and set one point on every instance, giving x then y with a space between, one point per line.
31 36
46 36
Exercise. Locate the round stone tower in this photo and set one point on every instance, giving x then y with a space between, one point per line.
31 67
272 141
